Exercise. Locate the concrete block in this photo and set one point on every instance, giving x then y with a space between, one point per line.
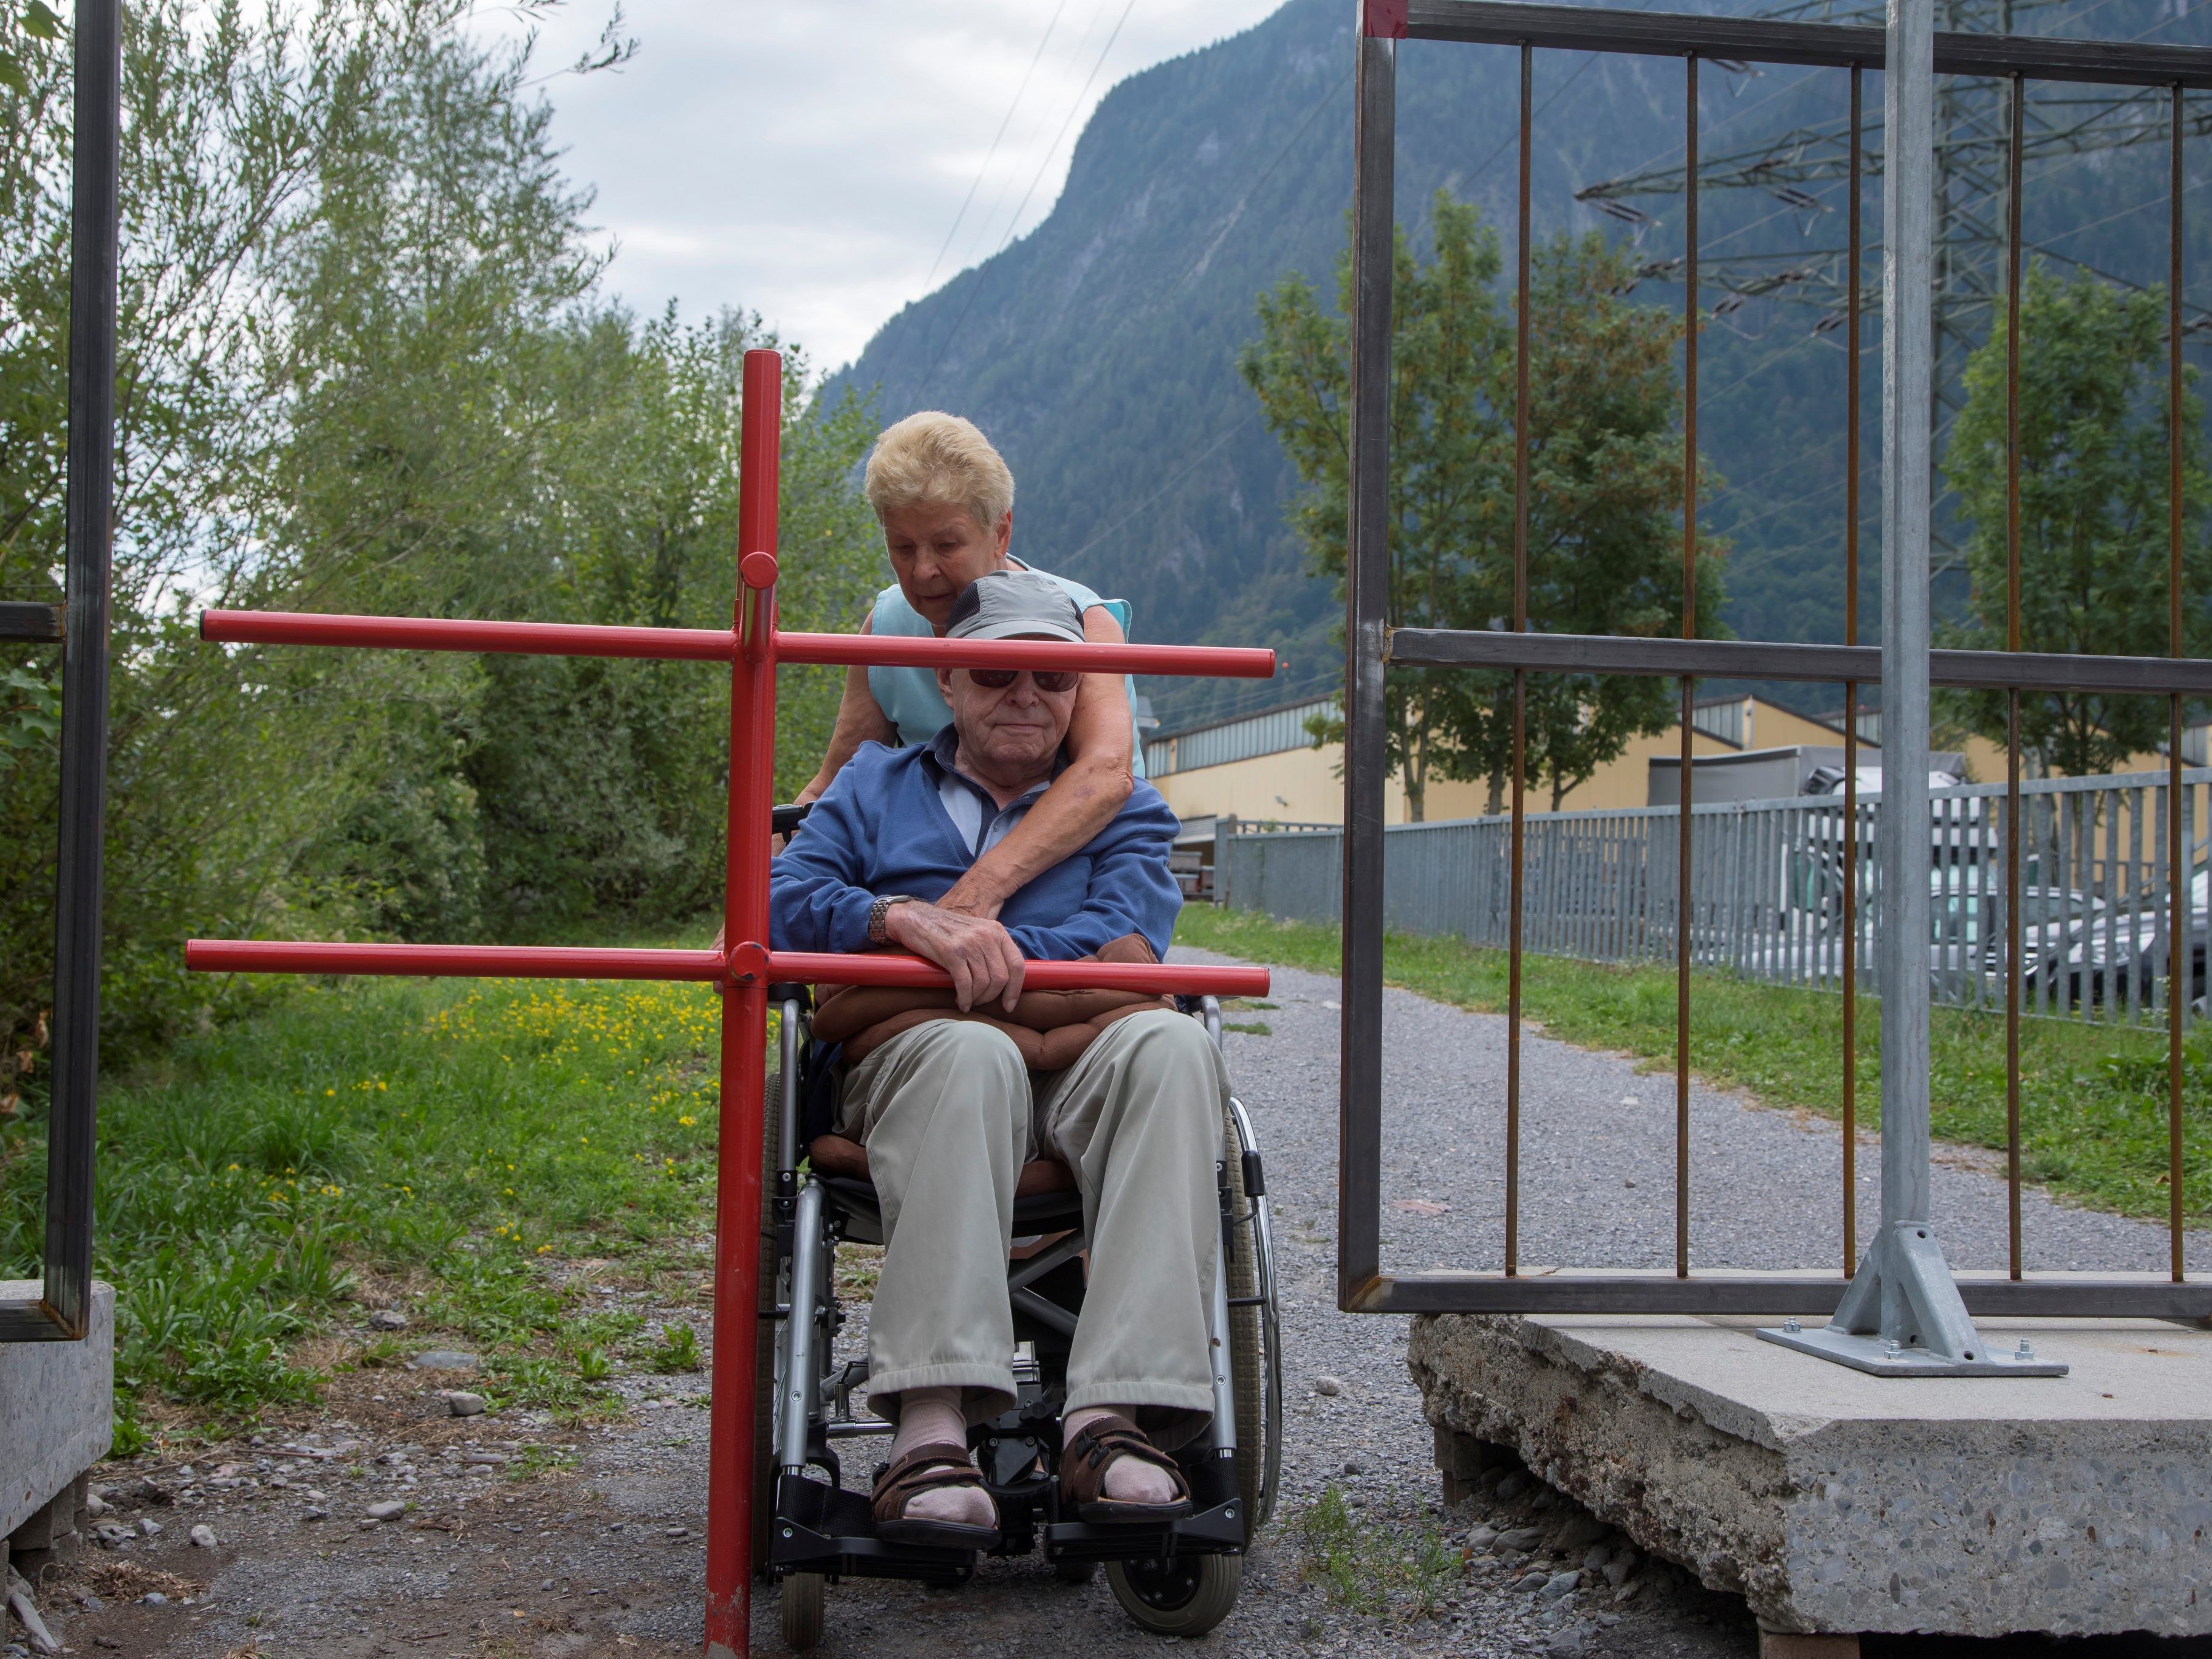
1837 1503
57 1410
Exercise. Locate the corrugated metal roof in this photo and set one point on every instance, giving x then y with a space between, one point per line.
1273 733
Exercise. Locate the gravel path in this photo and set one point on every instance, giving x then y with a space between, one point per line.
603 1555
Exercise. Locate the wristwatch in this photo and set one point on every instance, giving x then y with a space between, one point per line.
879 915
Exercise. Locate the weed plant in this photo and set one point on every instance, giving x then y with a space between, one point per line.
460 1140
1374 1569
2092 1094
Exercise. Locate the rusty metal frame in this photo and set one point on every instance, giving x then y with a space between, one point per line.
1372 648
62 1310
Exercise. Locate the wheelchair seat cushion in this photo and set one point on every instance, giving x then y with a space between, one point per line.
834 1155
1051 1027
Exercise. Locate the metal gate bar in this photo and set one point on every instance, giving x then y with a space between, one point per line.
62 1312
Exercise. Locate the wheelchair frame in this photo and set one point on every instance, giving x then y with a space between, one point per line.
825 1529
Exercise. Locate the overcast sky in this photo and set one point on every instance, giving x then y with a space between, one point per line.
808 159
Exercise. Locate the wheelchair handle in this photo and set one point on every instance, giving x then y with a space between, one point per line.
782 820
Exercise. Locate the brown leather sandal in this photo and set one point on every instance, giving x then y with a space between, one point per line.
927 1468
1084 1463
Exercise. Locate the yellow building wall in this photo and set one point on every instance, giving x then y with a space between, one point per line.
1307 785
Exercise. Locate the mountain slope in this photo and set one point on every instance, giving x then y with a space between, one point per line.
1099 351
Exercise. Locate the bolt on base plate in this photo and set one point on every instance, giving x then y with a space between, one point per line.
1880 1357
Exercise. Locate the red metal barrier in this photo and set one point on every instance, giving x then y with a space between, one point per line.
225 956
753 647
712 645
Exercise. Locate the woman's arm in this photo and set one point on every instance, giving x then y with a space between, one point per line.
1082 800
858 721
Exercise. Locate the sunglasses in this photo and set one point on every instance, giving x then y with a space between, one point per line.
1048 679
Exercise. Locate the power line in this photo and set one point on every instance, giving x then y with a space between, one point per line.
1073 109
976 183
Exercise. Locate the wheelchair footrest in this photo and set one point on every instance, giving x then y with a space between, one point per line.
1217 1531
823 1529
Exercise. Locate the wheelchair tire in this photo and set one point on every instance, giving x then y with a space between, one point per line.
1187 1596
1247 1355
802 1611
765 1334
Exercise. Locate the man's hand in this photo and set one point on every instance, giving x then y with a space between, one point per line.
984 963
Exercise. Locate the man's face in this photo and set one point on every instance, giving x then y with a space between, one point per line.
937 551
1017 727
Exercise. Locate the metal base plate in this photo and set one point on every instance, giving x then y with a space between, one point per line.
1872 1355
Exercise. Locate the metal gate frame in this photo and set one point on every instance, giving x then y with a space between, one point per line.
1373 645
62 1312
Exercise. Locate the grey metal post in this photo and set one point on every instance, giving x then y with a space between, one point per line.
65 1311
1902 1315
1359 1111
1224 831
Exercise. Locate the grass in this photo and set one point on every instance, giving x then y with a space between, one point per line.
2093 1096
455 1145
1374 1569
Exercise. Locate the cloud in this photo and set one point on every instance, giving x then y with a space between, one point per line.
807 161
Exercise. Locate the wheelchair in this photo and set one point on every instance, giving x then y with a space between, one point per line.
812 1529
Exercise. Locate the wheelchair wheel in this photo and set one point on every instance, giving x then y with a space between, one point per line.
1187 1596
1255 1365
765 1334
802 1611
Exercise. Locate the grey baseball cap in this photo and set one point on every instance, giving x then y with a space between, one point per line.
1009 603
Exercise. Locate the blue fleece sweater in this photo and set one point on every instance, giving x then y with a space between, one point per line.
882 827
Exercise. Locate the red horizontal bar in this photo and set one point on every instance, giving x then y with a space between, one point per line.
828 967
230 956
715 644
214 956
894 651
446 634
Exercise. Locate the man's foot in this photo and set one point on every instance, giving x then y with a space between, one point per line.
1110 1472
932 1495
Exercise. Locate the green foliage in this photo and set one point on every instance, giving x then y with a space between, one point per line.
1604 497
1374 1568
676 1351
456 1137
2094 491
365 365
2093 1096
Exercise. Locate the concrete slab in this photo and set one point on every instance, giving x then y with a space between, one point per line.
1840 1502
56 1408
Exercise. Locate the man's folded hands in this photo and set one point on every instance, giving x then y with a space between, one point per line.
984 963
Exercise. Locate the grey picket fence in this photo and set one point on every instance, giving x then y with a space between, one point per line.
1767 884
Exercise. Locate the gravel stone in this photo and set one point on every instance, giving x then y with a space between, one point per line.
461 1403
391 1510
442 1359
1328 1385
1559 1584
202 1536
1521 1539
387 1319
149 1527
1582 1531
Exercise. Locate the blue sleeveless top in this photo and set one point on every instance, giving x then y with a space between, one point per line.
909 697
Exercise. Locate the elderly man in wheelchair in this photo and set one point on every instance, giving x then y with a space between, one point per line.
956 1104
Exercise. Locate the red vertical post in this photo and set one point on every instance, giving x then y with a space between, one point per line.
729 1517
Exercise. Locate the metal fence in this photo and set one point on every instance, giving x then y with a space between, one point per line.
1767 885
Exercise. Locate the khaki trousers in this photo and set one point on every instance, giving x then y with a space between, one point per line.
949 1116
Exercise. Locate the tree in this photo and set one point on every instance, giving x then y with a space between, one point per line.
2094 495
365 365
1604 542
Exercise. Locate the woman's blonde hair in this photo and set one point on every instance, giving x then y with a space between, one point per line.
939 460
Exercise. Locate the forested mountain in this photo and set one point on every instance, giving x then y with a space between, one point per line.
1099 351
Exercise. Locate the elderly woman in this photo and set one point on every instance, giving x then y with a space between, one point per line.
945 499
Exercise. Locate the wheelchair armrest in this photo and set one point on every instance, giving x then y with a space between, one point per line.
785 819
